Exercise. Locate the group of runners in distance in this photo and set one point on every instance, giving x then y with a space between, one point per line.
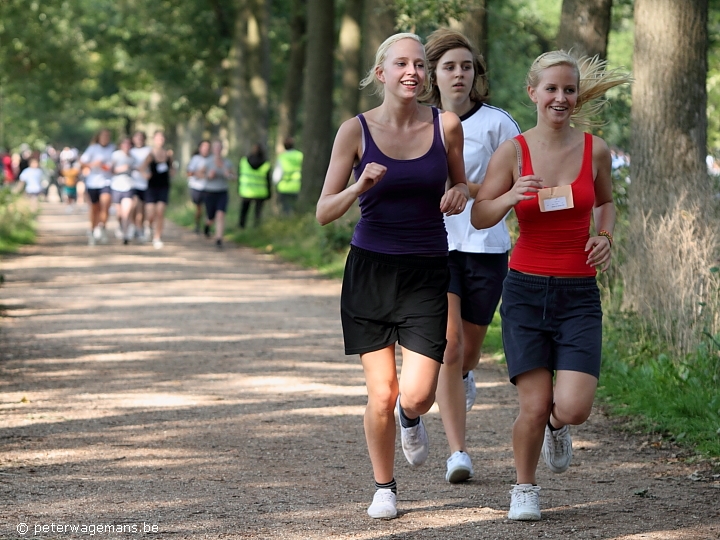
436 172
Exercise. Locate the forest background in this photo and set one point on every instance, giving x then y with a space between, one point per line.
250 71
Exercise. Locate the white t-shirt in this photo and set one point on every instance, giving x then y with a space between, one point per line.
99 177
122 181
140 154
485 128
33 177
197 162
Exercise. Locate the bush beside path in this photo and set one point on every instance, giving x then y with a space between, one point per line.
195 393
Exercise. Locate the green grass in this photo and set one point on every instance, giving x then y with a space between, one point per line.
659 393
17 225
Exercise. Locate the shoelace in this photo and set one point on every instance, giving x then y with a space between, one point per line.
525 496
561 444
383 497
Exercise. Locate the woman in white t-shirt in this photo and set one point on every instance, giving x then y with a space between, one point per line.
32 177
478 258
123 165
98 158
197 181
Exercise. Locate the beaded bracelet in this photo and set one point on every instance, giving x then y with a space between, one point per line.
606 235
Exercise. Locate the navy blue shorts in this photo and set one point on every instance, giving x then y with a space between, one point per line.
389 299
139 193
197 196
551 323
94 193
215 201
118 196
477 278
156 195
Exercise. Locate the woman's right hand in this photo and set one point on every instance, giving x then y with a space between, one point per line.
525 188
370 176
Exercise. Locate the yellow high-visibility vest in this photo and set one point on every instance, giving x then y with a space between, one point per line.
252 183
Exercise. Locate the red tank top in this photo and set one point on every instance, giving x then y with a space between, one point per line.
553 243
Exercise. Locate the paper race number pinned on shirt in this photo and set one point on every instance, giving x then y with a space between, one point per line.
555 198
162 168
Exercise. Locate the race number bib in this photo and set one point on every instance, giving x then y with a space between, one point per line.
555 198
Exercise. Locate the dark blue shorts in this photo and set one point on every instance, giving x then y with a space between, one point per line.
94 193
156 195
197 196
551 323
390 299
118 196
139 193
215 201
477 278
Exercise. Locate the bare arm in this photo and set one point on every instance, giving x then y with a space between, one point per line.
455 199
337 197
500 191
598 247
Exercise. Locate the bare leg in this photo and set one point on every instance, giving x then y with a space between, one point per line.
159 220
474 336
450 389
574 394
219 225
535 391
105 201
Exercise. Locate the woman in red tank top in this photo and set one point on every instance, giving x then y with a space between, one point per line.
555 176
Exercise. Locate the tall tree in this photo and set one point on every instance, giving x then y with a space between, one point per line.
378 25
292 91
249 65
318 93
350 58
475 25
584 27
669 118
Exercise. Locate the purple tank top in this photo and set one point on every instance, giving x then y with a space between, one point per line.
400 215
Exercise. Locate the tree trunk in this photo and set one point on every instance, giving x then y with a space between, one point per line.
350 55
378 25
475 26
292 91
249 61
188 135
669 117
584 27
318 94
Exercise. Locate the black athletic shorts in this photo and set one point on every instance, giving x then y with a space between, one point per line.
94 193
156 195
197 196
215 201
477 278
553 323
139 193
394 298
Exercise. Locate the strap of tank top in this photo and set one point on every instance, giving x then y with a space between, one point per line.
587 156
366 138
526 161
438 131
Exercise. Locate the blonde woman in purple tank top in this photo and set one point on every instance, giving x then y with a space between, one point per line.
396 277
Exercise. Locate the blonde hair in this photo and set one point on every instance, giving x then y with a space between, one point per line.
381 56
594 79
442 41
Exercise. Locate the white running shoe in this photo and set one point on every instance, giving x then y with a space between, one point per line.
118 234
103 236
130 234
158 244
384 505
459 468
557 449
524 502
470 390
415 443
97 233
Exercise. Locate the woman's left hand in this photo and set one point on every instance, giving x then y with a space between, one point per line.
599 252
453 202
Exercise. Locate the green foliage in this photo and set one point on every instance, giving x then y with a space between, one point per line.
16 221
424 16
678 398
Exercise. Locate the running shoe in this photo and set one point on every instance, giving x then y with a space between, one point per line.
207 231
219 243
103 236
415 443
97 233
384 505
459 468
557 449
470 390
118 234
524 503
158 244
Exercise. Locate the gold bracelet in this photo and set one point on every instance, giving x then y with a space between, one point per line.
606 235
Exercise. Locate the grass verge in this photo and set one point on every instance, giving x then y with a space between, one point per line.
17 226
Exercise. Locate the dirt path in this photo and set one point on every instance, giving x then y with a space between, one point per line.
204 394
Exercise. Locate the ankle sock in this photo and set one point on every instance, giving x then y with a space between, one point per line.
465 376
553 428
404 420
391 485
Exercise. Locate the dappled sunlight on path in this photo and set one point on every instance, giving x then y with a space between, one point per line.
206 392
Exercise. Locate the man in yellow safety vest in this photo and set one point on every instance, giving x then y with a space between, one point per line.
287 176
253 183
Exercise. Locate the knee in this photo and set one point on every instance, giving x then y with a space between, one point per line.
454 349
418 403
382 400
572 413
536 412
